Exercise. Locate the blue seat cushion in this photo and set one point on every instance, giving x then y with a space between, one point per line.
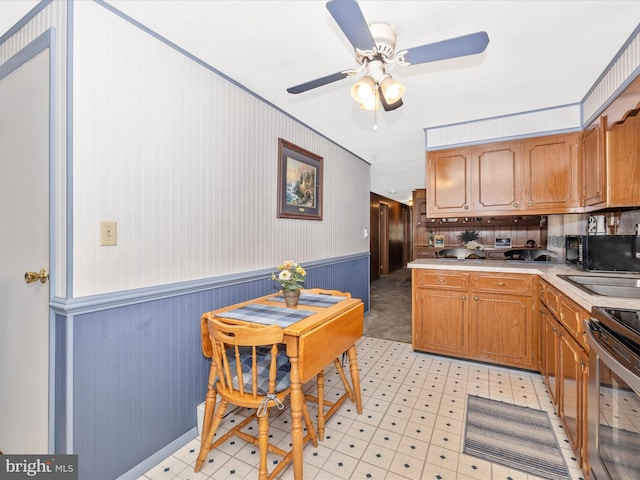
263 363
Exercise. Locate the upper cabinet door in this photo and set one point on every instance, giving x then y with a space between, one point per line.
535 176
594 164
624 161
497 177
448 180
552 178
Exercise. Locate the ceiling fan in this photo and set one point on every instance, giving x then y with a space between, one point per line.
375 47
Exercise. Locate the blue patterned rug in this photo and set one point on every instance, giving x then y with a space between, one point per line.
516 437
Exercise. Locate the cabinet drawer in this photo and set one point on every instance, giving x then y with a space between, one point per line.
551 298
441 279
521 284
571 316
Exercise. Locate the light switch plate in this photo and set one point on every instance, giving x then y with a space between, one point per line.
108 233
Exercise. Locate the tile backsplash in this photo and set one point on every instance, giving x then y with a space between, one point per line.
576 224
628 220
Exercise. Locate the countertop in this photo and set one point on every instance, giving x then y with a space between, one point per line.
547 271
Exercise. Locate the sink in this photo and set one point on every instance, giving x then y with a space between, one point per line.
610 286
603 280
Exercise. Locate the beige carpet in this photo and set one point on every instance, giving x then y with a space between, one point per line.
389 314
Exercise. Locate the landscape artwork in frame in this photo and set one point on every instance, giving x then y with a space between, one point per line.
299 182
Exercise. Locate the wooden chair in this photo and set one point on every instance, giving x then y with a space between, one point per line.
249 368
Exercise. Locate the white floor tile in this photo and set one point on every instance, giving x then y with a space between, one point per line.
412 425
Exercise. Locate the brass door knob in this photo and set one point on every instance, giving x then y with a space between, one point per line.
42 275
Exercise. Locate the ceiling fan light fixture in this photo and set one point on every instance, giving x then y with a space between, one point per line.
377 88
363 89
371 105
391 89
364 92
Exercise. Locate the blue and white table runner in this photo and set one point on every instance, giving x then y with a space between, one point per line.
313 299
281 316
267 315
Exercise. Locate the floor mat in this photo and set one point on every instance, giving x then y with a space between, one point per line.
517 437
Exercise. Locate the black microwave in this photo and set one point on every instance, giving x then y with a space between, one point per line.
604 253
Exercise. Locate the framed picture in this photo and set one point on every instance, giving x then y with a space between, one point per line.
299 182
503 242
439 240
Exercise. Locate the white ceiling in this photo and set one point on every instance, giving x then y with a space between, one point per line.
541 54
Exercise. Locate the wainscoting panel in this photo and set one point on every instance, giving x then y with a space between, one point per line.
138 370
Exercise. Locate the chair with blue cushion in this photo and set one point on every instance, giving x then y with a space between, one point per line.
249 368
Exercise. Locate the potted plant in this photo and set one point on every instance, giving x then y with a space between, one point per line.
468 236
291 277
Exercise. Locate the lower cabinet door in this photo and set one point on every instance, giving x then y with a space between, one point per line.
549 351
441 321
502 329
570 377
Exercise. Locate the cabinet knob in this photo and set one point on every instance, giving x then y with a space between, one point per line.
466 207
500 284
442 280
477 299
530 203
464 298
515 204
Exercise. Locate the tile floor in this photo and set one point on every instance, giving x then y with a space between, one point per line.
411 426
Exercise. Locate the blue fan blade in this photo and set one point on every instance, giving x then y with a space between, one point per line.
349 18
318 82
454 47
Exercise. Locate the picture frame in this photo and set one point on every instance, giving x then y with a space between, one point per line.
299 182
502 242
439 241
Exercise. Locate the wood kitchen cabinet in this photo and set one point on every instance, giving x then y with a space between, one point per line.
571 367
479 316
552 168
497 175
531 176
449 182
549 351
421 226
594 178
564 364
501 319
440 320
623 162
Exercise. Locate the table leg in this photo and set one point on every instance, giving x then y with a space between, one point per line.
355 376
297 400
320 379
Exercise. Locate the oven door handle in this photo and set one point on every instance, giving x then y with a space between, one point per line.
632 379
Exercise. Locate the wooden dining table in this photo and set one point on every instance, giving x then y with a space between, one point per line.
324 325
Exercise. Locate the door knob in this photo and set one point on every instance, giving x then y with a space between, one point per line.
42 275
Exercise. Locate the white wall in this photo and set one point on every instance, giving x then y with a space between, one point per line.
186 163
